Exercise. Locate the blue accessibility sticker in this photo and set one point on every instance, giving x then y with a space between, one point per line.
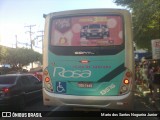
61 87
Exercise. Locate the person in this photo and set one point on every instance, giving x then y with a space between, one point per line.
137 75
144 74
150 78
141 74
156 82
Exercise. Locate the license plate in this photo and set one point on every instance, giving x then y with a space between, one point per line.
85 85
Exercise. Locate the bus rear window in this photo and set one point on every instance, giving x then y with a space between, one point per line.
87 31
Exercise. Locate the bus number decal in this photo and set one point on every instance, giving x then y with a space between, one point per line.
107 89
70 73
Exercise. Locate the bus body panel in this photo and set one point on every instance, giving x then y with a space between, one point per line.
124 102
70 72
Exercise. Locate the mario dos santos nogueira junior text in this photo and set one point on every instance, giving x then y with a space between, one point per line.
129 114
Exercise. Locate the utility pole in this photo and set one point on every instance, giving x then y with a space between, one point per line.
16 41
42 36
30 33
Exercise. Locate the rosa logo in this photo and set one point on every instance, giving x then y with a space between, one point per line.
62 72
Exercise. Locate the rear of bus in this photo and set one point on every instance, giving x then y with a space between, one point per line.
88 59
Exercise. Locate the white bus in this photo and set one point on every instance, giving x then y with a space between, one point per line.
88 59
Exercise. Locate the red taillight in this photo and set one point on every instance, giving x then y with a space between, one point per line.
5 90
47 79
126 81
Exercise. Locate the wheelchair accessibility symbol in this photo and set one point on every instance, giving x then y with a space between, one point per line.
61 87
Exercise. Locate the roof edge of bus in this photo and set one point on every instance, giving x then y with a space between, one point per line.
44 15
90 10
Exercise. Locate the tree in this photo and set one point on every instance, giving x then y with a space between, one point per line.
3 52
19 57
146 20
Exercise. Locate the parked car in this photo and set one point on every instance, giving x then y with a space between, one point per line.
18 89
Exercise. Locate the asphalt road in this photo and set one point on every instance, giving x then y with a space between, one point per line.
140 104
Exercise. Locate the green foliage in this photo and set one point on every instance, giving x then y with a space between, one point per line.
3 52
146 20
124 2
21 56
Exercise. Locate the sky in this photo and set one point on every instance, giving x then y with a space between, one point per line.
15 15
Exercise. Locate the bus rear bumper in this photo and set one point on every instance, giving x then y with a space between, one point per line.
123 102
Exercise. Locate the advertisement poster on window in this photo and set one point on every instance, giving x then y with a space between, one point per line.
87 31
156 49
